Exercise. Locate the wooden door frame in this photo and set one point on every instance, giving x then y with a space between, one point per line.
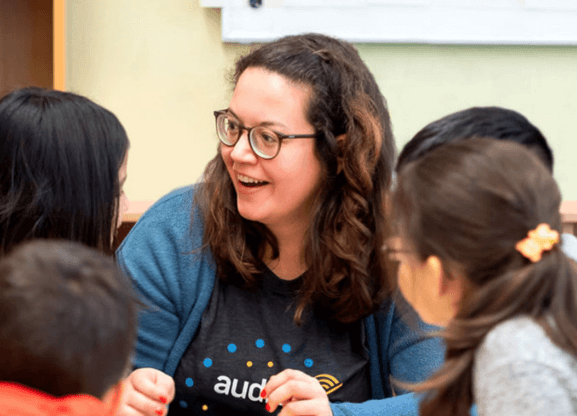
59 40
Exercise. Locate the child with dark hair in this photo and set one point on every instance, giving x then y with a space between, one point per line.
68 323
491 122
479 231
63 161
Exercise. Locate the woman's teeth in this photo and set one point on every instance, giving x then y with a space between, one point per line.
245 180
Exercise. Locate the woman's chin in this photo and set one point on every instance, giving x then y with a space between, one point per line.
249 214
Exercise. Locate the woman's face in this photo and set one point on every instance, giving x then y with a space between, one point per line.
279 191
123 201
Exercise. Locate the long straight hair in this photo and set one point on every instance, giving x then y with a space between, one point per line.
346 277
469 203
60 154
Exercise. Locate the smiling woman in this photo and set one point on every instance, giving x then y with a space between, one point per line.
264 98
267 278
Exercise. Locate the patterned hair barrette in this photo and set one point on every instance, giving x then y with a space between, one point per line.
542 238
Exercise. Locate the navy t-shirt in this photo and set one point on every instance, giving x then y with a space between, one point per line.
245 337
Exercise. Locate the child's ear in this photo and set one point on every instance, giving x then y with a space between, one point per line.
436 274
448 289
451 286
448 285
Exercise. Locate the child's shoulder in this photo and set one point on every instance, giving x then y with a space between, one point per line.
521 339
17 399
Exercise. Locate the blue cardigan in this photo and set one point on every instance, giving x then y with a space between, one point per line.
175 278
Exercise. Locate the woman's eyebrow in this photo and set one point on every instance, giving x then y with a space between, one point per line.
264 123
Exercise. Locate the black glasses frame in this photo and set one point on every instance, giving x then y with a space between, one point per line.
249 130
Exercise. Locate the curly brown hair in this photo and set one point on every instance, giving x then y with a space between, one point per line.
469 203
346 276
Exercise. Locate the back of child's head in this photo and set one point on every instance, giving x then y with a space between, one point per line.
60 156
67 319
491 122
469 203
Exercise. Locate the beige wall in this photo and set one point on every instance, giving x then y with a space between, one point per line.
161 67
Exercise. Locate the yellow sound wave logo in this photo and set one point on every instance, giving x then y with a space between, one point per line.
329 383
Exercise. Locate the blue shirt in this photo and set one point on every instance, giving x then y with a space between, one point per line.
175 277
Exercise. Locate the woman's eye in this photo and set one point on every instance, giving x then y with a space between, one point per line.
268 137
232 125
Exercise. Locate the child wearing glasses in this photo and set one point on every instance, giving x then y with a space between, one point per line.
480 253
67 329
492 122
267 283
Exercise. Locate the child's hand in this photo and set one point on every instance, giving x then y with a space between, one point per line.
147 392
298 393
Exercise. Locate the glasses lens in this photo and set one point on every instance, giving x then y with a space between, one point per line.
227 130
265 142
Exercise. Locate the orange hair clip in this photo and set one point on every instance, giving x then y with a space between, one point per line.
542 238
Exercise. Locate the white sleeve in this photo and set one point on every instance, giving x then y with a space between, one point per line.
522 388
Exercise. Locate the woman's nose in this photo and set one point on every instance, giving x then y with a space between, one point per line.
242 151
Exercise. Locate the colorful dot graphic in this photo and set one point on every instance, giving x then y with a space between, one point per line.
249 364
204 407
259 343
308 363
183 404
189 382
270 364
286 348
231 348
207 362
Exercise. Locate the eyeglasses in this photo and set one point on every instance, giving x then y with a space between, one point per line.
393 253
263 141
393 248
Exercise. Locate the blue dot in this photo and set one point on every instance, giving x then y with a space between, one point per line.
189 382
308 363
183 404
231 348
286 348
259 343
207 362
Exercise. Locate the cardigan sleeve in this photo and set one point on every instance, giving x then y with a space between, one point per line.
173 276
414 353
403 349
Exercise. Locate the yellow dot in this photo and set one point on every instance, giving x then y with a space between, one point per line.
270 364
249 363
204 407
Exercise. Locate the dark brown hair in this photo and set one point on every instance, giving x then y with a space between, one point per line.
59 159
68 318
469 203
490 122
346 276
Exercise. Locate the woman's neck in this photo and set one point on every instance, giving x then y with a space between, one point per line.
290 263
